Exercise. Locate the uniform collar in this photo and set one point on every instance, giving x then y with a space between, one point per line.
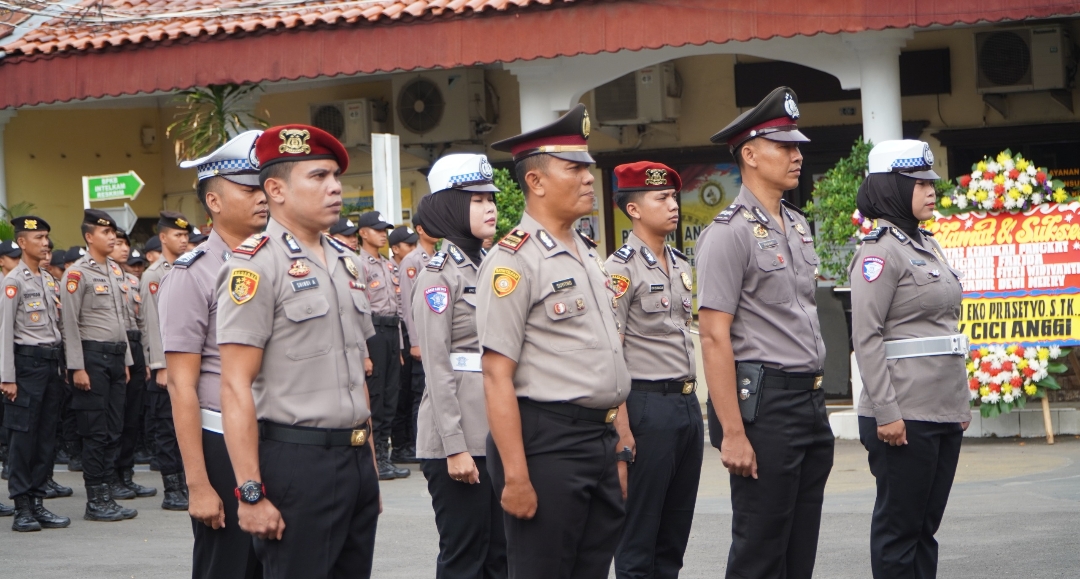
651 260
286 241
750 202
549 245
367 256
465 263
899 235
217 247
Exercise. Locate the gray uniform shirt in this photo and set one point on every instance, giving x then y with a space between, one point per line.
452 415
93 308
903 288
187 305
381 288
654 309
30 315
311 322
764 276
410 268
151 282
551 312
134 310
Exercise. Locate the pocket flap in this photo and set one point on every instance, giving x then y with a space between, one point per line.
305 309
34 306
563 306
360 301
769 260
924 276
654 303
469 298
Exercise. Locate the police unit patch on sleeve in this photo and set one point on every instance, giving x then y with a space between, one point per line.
624 253
438 298
251 244
504 280
243 283
11 291
872 267
437 261
620 284
73 281
514 240
153 287
411 272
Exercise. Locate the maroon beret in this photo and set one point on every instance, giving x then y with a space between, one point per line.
647 176
298 143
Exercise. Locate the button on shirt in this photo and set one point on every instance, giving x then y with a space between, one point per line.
410 268
30 315
311 324
654 312
93 308
556 322
151 282
381 288
765 276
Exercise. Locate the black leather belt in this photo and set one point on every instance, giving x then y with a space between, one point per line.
385 320
791 380
105 347
46 352
313 436
134 336
574 411
664 386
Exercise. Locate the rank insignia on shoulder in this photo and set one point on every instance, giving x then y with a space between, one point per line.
372 259
243 283
251 244
188 258
647 254
437 261
926 232
899 235
294 246
514 240
726 215
588 240
875 234
456 255
624 253
678 254
620 284
504 280
761 215
545 239
791 206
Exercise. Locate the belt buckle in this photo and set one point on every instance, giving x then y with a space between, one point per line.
611 414
817 382
358 438
689 386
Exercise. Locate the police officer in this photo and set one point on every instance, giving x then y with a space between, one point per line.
98 360
385 346
173 230
30 375
345 232
554 373
229 192
452 429
905 310
403 240
56 264
762 349
413 380
10 254
292 323
135 265
152 249
69 430
660 423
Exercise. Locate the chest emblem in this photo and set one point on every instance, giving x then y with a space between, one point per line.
872 268
620 284
686 281
760 232
373 284
504 280
299 269
243 283
800 228
438 298
351 266
559 308
10 291
116 271
35 317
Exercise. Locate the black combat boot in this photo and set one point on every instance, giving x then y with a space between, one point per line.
24 515
62 455
175 499
124 511
138 489
6 511
387 470
46 519
54 489
117 489
99 506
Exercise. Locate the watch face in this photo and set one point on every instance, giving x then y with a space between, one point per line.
251 492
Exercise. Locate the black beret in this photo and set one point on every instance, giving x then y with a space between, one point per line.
173 220
98 217
29 223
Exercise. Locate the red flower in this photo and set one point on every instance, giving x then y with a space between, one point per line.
989 176
995 388
965 180
999 189
973 384
1014 174
1040 177
1029 371
855 221
1019 351
1016 381
1007 365
975 354
999 203
985 367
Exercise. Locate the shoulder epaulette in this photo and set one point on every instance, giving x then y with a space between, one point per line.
189 258
679 254
926 232
726 215
588 240
333 243
792 206
437 261
875 235
624 253
456 255
899 235
252 244
514 240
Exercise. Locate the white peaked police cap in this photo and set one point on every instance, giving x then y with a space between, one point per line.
231 161
462 171
908 157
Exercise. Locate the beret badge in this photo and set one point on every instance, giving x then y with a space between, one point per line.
294 141
656 177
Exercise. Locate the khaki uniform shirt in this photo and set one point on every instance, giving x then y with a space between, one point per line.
904 288
655 311
134 310
151 282
552 313
765 276
382 287
30 315
410 268
187 305
93 308
310 320
452 416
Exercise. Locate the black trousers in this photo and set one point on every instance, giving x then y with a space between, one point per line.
384 382
31 422
133 409
403 430
229 552
580 511
776 518
472 542
662 484
329 500
100 414
913 484
166 449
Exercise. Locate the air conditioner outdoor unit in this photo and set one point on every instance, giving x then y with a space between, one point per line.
645 96
350 122
1022 59
439 106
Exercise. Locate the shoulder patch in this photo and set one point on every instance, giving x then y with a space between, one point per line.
251 244
11 291
588 240
792 206
456 255
514 240
624 253
926 232
620 284
189 258
341 247
437 261
243 283
875 235
678 254
726 215
899 235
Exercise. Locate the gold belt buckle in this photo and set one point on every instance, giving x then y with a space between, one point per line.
358 438
817 382
689 386
611 414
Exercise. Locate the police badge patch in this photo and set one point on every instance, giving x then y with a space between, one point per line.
438 298
872 268
243 283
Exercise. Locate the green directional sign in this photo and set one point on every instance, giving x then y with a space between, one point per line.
126 186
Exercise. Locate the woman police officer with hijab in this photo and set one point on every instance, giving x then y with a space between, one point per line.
452 425
913 410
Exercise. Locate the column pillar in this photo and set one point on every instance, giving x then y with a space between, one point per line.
879 69
5 116
535 84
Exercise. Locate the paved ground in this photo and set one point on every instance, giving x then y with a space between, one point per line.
1014 513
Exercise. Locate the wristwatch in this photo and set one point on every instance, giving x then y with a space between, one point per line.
626 455
250 492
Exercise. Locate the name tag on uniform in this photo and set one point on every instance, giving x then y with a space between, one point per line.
768 244
305 284
470 290
563 284
656 287
918 262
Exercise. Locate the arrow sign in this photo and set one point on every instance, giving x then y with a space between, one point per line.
126 186
125 216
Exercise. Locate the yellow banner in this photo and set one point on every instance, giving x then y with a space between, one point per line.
1043 319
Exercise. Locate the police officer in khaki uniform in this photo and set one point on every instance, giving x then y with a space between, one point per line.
452 428
762 349
173 231
30 375
554 373
385 346
292 324
905 310
409 268
345 232
661 420
230 193
403 240
98 359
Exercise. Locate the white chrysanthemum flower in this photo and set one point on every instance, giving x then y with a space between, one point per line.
986 185
1010 164
1011 203
1055 352
961 202
993 167
1007 398
994 397
988 204
974 394
1036 198
984 399
1039 375
995 363
1031 170
1023 179
1031 353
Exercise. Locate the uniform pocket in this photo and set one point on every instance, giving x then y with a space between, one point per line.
932 293
656 314
16 418
35 313
360 301
300 311
772 287
569 331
